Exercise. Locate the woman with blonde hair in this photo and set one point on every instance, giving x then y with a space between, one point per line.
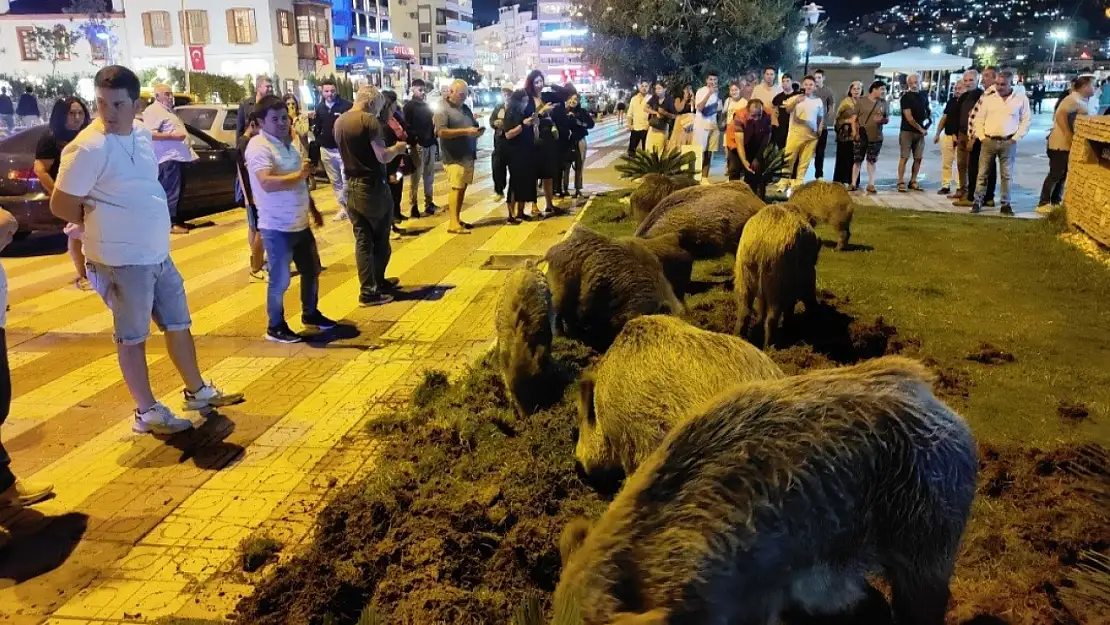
845 135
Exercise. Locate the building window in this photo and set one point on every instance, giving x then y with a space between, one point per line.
98 47
424 38
350 50
441 17
304 34
156 29
323 31
425 60
441 59
285 27
385 25
195 28
28 50
240 26
441 37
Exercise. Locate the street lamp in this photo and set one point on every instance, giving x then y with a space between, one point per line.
811 13
1056 36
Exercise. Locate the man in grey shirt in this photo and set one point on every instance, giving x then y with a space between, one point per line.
458 146
829 98
871 115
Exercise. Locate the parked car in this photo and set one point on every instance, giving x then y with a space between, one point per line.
208 184
218 120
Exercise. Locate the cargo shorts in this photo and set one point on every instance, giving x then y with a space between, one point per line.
137 294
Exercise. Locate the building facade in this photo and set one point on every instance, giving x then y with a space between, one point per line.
440 32
508 49
562 40
367 46
93 42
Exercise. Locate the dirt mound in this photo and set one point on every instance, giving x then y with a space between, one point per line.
1072 411
456 525
988 354
1038 517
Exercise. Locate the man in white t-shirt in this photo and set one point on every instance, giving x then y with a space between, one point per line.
108 183
707 134
13 492
278 173
766 91
807 122
170 148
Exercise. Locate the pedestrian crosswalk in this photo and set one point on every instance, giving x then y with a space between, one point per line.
163 518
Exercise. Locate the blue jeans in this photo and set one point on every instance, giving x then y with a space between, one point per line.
138 293
423 170
281 248
6 476
169 176
1005 150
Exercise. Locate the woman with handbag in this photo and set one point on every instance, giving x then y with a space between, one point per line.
661 111
845 137
578 122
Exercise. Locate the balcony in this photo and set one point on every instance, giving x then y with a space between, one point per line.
460 26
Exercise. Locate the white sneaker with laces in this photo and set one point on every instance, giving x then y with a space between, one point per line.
210 397
159 420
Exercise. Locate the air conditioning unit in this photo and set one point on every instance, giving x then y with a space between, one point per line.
406 35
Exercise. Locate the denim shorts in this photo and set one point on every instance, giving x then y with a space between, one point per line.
136 294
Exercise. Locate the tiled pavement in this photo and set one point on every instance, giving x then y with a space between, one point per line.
142 528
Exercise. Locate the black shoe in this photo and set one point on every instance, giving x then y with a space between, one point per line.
414 213
398 216
1006 210
283 334
975 208
391 284
989 203
376 299
430 209
318 320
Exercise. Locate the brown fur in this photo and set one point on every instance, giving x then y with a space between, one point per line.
776 266
707 218
828 203
654 374
524 335
678 264
653 188
598 284
784 495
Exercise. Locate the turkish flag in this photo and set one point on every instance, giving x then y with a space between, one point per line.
321 53
196 58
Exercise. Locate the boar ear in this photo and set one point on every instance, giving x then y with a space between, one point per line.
586 414
574 534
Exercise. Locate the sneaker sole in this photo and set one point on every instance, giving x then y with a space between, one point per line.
275 339
223 400
146 428
319 327
26 500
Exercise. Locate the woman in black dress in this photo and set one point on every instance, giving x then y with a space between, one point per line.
69 117
394 130
547 155
520 146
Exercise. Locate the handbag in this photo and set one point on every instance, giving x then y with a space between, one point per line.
844 132
862 130
659 122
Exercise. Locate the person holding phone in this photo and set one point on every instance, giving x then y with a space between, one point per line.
458 133
548 157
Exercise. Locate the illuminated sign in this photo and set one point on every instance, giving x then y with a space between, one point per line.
564 33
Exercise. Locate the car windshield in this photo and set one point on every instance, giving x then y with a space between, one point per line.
198 117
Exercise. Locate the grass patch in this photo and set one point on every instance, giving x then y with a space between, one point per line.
256 551
460 521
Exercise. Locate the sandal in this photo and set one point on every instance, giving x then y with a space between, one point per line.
915 187
901 187
871 189
512 221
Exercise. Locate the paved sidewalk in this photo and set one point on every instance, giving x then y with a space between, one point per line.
142 529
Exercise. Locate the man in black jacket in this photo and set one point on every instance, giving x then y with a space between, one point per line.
500 163
422 138
968 145
330 107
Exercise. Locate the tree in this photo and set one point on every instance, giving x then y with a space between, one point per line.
685 39
469 74
96 24
55 43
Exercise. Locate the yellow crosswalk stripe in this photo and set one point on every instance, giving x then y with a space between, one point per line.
83 471
54 398
427 321
19 359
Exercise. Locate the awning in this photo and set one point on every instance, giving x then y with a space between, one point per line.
912 60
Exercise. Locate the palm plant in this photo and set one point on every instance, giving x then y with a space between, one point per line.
769 169
644 162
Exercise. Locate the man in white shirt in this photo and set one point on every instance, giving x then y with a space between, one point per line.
766 91
807 122
13 492
278 171
707 134
1002 120
170 148
638 118
108 183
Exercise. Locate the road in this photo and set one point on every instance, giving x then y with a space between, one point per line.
142 528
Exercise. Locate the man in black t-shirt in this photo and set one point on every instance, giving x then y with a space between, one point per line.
947 136
916 118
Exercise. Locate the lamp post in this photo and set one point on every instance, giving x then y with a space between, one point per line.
1056 36
811 13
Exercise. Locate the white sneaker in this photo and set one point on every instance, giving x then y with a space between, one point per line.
210 397
340 215
705 182
258 276
1044 209
159 420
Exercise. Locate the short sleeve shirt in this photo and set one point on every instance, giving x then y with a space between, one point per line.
915 102
807 116
869 114
707 116
456 150
355 131
48 150
952 116
158 118
1072 105
127 221
285 210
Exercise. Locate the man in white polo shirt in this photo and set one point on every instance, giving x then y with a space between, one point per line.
170 148
1002 120
278 173
108 183
807 122
707 134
